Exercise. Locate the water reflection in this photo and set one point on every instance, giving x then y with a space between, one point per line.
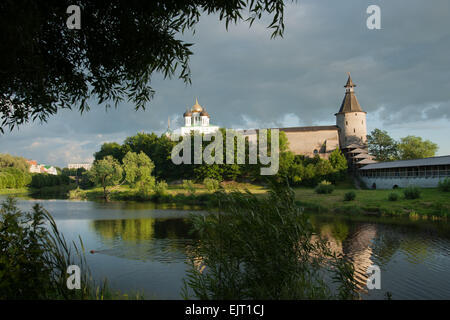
144 247
146 239
412 259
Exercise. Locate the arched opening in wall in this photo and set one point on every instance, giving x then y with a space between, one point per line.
395 187
316 151
374 185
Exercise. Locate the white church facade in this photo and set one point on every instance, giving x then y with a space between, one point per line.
196 120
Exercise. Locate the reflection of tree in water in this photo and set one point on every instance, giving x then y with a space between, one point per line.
131 230
172 228
416 251
416 247
338 230
163 240
385 245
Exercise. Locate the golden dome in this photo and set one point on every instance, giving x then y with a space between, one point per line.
204 113
196 107
188 113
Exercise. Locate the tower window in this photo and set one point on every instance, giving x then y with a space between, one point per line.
362 121
354 130
346 122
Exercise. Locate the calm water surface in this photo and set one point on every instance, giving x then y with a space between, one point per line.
140 247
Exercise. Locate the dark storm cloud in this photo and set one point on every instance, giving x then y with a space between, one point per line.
245 79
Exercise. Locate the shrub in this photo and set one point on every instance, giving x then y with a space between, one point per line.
393 196
77 194
263 248
161 188
35 257
444 185
211 184
412 192
325 187
189 186
350 196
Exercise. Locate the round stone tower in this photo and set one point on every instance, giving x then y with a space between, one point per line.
351 119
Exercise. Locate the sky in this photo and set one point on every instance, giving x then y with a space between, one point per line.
247 80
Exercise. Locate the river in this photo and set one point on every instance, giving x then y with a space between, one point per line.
142 247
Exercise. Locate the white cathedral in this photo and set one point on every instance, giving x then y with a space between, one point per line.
197 120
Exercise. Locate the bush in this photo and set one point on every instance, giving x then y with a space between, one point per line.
350 196
34 257
161 188
444 185
189 186
325 187
77 194
393 196
211 185
412 192
263 248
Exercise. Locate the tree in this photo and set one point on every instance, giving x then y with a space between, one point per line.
138 171
339 164
382 146
112 149
412 147
45 66
9 161
106 172
337 160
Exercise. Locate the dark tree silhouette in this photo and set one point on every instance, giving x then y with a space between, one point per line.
45 66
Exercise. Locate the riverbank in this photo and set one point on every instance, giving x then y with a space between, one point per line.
432 203
175 194
59 192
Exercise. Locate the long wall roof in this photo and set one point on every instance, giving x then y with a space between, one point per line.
315 128
433 161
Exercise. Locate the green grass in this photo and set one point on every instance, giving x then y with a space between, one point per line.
15 191
125 192
431 203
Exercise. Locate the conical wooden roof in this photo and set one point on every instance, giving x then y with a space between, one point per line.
350 103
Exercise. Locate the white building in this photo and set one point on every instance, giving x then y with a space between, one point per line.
41 168
86 166
425 173
197 120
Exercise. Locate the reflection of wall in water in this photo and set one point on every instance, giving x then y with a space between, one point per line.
357 247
